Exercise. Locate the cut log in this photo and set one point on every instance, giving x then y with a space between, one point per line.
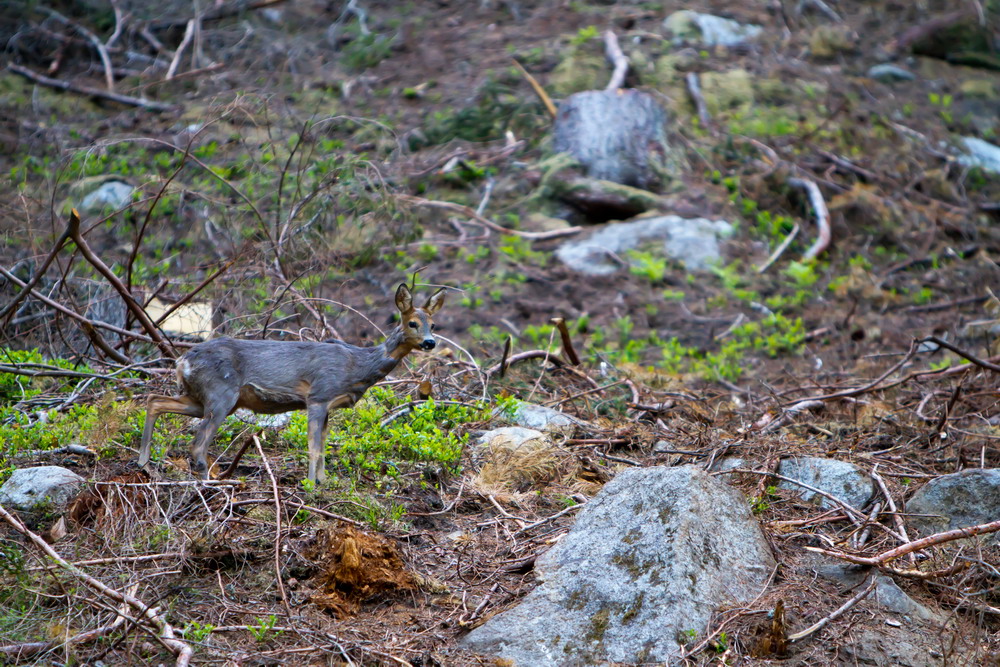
617 135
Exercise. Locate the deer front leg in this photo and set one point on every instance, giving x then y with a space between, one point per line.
319 414
157 405
319 422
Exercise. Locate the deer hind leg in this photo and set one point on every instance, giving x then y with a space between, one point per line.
157 405
214 414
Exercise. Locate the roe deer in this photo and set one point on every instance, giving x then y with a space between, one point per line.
268 377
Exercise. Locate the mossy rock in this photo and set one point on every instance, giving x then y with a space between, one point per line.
672 67
982 89
578 72
727 91
827 41
775 92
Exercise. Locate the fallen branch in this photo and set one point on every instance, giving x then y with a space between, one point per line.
277 525
188 36
822 217
44 370
780 249
891 504
851 511
102 51
220 12
522 356
821 7
89 326
822 623
87 90
694 90
864 388
22 651
614 54
76 450
74 229
916 545
968 356
537 87
26 288
567 342
165 632
489 224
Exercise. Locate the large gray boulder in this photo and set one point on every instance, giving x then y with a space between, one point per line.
43 486
840 479
693 241
616 135
649 558
957 500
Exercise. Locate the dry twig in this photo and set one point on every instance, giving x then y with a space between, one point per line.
844 608
489 224
165 632
614 54
87 90
694 90
916 545
822 217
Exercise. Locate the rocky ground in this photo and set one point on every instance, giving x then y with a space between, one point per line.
280 167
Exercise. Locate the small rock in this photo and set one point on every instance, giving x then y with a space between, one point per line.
267 421
961 499
112 194
982 89
662 446
728 463
980 154
510 437
838 478
888 73
694 241
42 486
541 418
578 72
539 222
708 29
887 594
829 40
727 91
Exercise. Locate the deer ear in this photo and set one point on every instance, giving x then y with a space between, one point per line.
435 302
404 301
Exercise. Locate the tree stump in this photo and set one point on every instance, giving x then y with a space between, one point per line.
616 135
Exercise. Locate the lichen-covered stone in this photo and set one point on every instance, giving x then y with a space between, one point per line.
958 500
42 486
650 557
840 479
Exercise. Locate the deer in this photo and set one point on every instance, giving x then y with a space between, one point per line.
217 377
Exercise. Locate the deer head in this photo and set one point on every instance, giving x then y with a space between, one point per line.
418 323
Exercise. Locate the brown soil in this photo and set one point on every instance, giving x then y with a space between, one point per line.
924 227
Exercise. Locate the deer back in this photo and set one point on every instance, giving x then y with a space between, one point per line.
278 376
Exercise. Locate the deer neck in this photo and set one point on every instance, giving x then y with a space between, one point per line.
395 345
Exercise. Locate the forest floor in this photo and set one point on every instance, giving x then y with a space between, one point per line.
291 179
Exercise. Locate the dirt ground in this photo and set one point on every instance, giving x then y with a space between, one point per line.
915 238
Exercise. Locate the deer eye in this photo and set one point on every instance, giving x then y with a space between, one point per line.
413 325
433 326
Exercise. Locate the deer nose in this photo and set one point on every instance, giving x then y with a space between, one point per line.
428 344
